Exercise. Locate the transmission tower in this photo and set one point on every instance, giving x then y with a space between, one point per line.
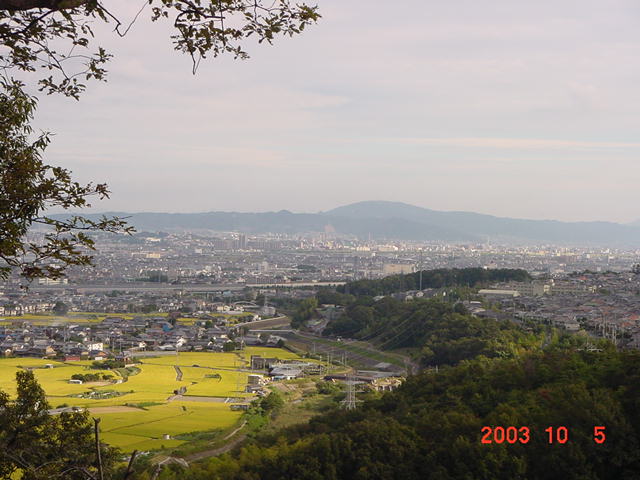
349 403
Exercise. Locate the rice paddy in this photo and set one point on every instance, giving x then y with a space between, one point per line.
50 318
157 416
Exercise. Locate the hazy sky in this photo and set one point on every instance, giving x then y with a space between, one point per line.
513 108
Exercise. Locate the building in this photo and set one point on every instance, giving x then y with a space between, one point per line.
242 241
533 289
262 363
397 268
491 293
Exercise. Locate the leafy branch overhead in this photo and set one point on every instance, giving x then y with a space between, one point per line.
51 42
28 187
56 35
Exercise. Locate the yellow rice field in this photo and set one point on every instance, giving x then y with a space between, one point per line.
220 376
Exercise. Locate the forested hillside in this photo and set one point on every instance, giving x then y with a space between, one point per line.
443 333
439 278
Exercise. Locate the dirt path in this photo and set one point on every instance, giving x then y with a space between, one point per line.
224 369
219 451
178 373
193 398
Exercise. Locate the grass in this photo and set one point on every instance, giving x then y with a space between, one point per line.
362 351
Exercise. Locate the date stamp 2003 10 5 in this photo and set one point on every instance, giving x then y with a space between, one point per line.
560 435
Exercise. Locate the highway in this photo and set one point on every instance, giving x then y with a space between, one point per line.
168 287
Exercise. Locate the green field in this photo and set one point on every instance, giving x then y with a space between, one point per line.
49 318
215 375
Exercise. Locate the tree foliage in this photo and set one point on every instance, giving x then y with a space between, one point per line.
28 187
56 36
443 333
305 311
60 308
44 446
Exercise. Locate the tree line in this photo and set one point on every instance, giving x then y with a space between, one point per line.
438 278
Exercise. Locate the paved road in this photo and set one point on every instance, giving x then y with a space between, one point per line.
166 287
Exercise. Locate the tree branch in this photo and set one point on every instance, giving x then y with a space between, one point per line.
21 5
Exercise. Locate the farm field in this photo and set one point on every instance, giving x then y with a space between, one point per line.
141 410
96 317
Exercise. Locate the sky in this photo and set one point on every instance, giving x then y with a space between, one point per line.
511 108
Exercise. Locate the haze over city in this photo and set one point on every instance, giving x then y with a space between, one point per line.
520 109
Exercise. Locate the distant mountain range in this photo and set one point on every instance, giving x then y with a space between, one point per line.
394 220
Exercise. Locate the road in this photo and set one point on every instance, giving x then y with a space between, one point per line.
186 287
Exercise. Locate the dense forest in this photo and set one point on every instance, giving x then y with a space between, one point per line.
439 278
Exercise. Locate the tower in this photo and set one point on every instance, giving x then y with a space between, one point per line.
349 403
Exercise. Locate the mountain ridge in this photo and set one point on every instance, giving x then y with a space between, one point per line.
393 220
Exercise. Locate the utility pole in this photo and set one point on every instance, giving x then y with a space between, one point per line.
96 430
237 377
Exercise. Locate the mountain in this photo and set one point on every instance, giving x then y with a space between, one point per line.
499 228
287 222
393 220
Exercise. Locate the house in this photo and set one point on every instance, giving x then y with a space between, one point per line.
250 340
94 346
98 355
285 372
41 351
262 363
